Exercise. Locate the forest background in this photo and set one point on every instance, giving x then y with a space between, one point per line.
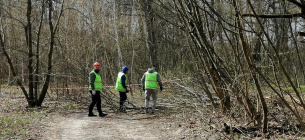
243 59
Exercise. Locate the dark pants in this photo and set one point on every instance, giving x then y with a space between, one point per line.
123 98
96 99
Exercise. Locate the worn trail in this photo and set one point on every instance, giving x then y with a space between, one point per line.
114 126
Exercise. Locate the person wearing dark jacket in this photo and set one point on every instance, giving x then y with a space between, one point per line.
121 87
95 88
150 81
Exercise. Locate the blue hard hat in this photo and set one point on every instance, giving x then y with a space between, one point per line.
124 69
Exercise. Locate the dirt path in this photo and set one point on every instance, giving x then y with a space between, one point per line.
119 126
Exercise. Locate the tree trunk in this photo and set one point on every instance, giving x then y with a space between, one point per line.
37 54
115 24
205 50
53 30
151 39
251 65
29 40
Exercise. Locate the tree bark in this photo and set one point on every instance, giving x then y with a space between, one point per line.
151 39
29 40
251 66
37 53
53 30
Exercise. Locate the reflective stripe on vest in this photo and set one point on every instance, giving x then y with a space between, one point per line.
118 85
98 85
151 80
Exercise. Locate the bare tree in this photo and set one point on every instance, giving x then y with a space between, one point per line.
32 97
53 30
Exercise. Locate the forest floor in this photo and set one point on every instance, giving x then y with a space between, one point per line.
175 118
62 119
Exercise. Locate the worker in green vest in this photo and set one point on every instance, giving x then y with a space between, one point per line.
95 88
151 82
121 87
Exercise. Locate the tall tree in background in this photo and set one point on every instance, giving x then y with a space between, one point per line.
150 30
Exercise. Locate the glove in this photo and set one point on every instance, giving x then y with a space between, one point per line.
161 88
93 92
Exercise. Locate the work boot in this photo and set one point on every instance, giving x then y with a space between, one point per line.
152 110
123 110
102 114
91 115
146 110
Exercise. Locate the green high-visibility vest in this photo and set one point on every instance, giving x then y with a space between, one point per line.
98 85
118 85
151 80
